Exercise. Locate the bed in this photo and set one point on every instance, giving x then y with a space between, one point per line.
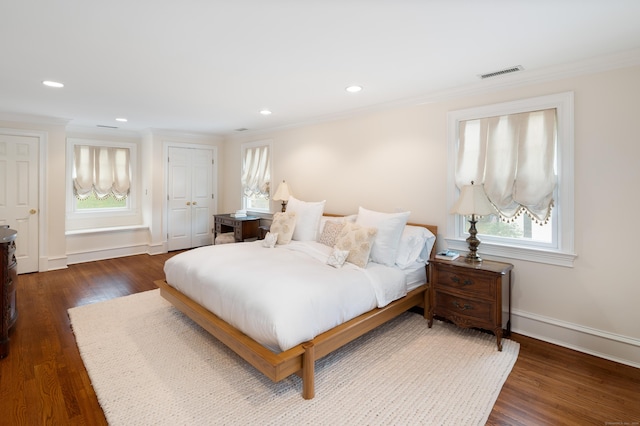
283 307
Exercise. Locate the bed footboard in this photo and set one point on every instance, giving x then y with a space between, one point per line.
300 359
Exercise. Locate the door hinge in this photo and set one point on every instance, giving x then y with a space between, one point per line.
212 196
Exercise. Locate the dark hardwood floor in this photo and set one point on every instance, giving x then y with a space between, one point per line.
43 380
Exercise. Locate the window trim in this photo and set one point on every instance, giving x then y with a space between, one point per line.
563 254
243 148
108 218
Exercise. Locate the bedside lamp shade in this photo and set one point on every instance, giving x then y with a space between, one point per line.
282 194
473 202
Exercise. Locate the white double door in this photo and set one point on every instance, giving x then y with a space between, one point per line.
191 198
19 194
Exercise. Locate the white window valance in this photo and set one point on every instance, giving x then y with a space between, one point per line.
101 170
514 157
256 172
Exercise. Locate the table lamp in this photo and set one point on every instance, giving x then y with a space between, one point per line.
473 203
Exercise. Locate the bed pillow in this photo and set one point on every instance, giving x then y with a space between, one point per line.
390 227
308 216
358 240
415 245
337 257
270 240
283 224
330 233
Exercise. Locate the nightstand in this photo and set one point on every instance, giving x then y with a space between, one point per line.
243 228
470 294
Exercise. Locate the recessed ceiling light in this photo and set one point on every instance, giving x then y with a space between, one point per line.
52 83
265 112
121 119
353 89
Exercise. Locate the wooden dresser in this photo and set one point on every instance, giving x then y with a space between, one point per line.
470 294
8 281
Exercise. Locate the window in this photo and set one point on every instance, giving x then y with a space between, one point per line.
101 184
522 152
256 176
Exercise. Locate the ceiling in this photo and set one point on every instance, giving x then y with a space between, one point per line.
210 66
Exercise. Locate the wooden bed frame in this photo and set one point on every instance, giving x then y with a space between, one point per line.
300 359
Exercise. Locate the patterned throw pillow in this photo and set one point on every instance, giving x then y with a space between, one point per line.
283 224
330 233
358 241
270 240
337 257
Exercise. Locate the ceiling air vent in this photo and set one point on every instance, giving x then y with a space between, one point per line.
242 129
501 72
106 127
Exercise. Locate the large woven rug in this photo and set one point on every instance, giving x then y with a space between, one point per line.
151 365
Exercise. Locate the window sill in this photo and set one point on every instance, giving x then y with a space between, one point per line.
512 252
105 230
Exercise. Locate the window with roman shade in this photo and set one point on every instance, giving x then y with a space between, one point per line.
513 156
103 171
521 152
256 176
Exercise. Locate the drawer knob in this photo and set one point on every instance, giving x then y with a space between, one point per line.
457 280
462 307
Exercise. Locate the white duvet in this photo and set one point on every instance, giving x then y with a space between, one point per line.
281 296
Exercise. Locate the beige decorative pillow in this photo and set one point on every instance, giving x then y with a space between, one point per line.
270 240
330 233
283 224
358 240
337 258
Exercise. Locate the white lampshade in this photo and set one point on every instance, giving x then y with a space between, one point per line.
473 201
282 193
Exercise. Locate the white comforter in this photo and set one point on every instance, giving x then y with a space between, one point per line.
281 296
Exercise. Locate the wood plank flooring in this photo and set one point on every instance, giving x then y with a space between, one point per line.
43 380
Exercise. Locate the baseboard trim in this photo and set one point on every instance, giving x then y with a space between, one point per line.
103 254
603 344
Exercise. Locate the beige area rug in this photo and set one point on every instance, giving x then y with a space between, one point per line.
151 365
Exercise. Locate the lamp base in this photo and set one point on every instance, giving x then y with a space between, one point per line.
284 206
473 242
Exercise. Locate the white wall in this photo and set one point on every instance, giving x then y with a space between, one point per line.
397 159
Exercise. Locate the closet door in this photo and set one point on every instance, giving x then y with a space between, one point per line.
190 197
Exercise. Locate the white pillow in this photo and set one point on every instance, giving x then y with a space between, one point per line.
390 226
415 244
308 216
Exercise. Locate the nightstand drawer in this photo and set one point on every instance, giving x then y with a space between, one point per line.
465 312
479 285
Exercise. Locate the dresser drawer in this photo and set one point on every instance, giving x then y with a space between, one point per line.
227 221
465 312
470 283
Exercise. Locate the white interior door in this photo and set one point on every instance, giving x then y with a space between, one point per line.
19 195
190 197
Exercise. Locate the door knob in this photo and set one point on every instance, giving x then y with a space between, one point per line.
33 211
194 203
188 203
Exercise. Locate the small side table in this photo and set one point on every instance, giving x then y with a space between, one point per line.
243 228
470 294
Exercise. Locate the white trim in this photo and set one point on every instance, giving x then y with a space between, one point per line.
106 253
603 344
563 254
106 230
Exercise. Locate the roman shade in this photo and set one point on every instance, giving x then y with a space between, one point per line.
256 175
513 156
101 170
